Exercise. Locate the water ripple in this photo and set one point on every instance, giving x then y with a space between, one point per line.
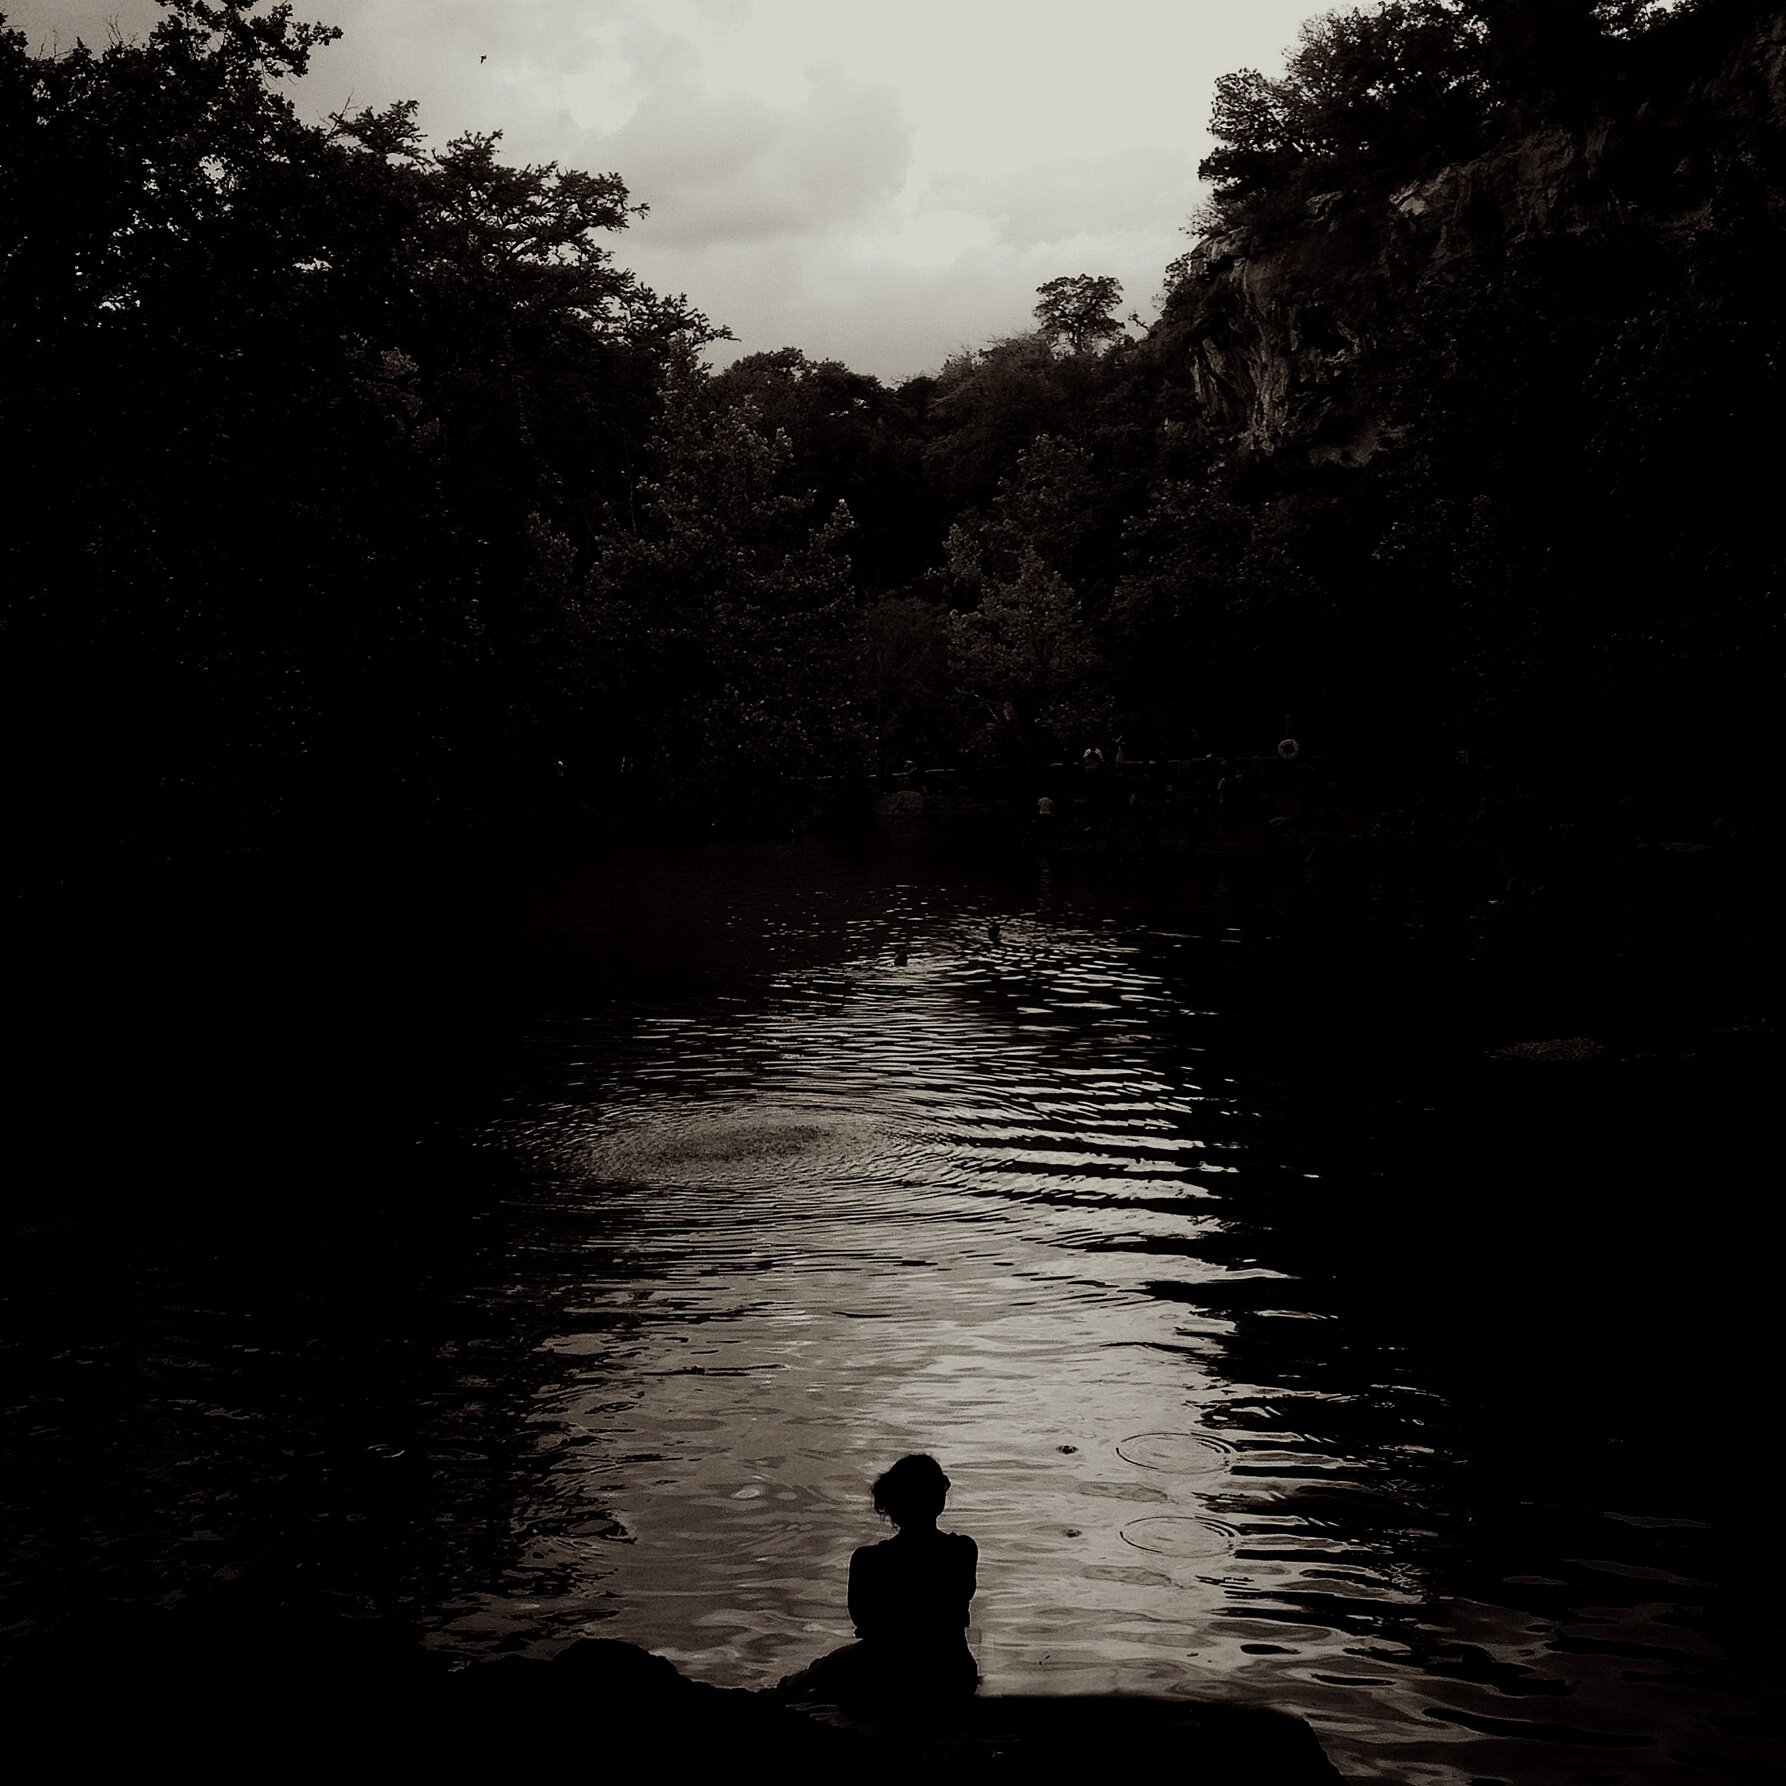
1029 1206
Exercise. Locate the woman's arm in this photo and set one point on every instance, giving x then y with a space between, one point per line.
861 1601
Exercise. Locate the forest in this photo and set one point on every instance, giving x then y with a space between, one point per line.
358 490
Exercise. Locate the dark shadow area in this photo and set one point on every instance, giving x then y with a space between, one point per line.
1341 711
235 1686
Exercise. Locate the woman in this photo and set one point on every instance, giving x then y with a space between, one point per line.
908 1600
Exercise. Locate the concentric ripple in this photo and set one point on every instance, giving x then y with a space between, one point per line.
738 1146
832 1171
1010 1203
1179 1454
1179 1535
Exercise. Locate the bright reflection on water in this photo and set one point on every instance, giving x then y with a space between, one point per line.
991 1202
952 1205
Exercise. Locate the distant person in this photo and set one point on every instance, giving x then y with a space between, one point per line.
908 1600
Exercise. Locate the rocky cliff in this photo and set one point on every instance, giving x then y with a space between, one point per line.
1283 335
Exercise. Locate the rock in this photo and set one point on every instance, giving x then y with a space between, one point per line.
1036 1737
1277 331
268 1695
1561 1048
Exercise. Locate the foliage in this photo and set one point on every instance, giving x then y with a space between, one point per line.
1388 91
908 691
1201 587
990 404
1395 88
1580 419
852 441
285 399
356 484
1077 312
1021 649
721 631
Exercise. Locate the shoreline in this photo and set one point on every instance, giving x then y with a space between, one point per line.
218 1683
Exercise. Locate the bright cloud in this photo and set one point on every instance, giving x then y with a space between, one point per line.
877 184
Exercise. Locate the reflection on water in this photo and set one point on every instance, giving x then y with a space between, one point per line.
1062 1209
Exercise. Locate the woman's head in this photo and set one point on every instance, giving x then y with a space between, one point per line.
913 1491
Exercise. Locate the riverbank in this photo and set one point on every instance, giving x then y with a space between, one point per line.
1665 892
235 1692
546 1270
313 1013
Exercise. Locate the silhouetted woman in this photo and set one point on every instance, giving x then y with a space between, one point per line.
909 1599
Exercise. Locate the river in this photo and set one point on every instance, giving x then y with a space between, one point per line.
1282 1342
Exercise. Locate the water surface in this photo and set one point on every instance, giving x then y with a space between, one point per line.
1259 1373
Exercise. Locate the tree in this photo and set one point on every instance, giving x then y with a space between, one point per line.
1021 649
1386 92
1257 139
286 400
1077 312
908 690
720 631
990 405
1022 653
1209 620
852 441
1392 89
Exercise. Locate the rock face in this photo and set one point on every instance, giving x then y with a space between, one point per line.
1277 333
1558 1050
1272 335
228 1698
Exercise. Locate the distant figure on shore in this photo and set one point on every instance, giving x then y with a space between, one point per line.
908 1600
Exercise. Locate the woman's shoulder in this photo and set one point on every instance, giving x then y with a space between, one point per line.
953 1543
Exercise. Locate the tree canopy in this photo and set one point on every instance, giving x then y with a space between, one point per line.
1078 311
1391 90
361 489
285 400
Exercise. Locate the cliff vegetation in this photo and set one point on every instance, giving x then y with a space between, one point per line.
359 489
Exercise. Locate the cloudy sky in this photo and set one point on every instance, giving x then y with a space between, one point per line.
873 182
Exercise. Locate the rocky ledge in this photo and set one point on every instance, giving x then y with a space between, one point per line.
223 1702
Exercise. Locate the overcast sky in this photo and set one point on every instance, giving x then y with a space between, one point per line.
876 183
